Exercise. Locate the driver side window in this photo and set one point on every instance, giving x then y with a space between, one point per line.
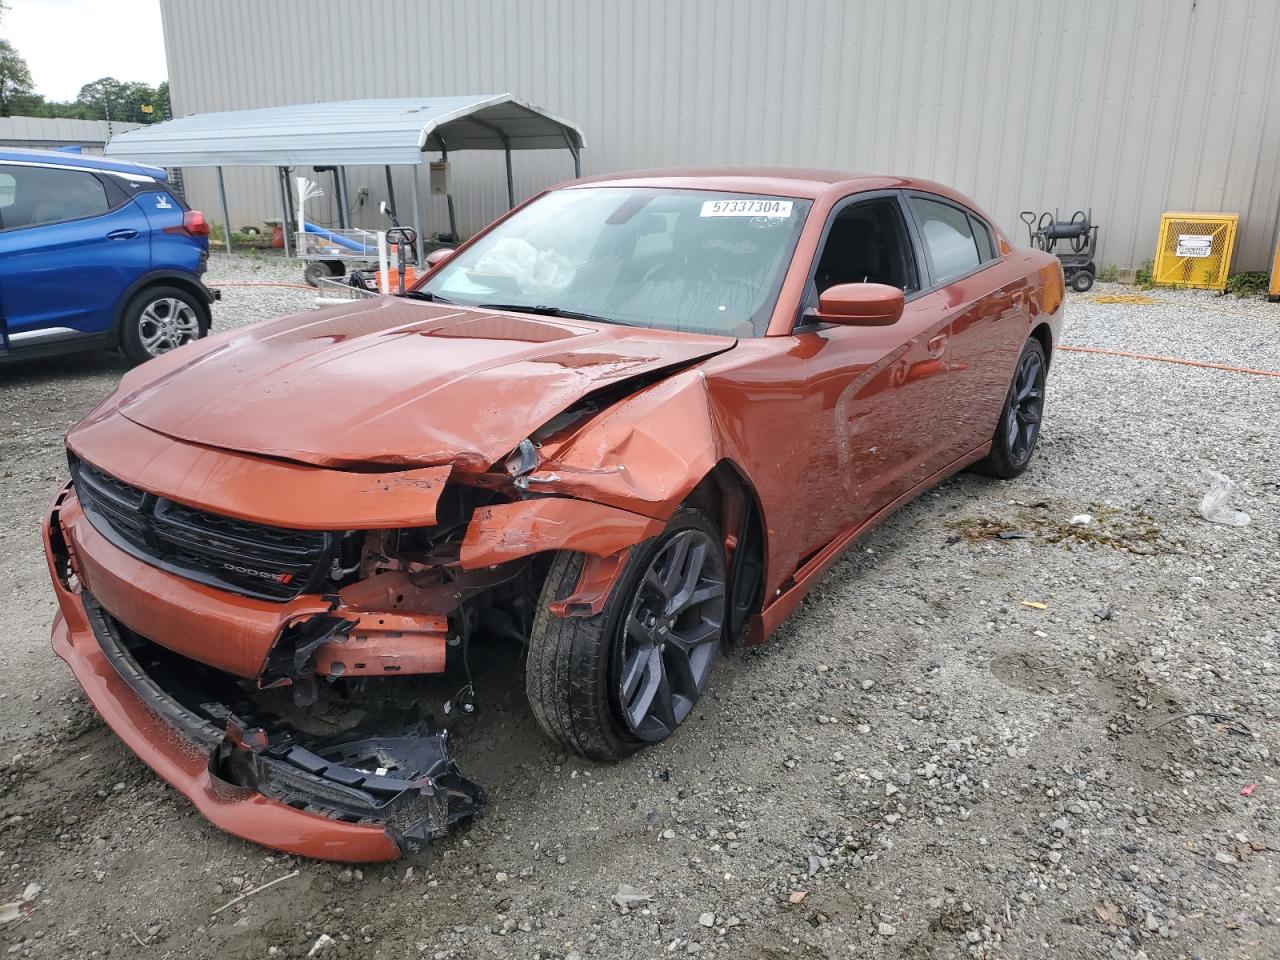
868 243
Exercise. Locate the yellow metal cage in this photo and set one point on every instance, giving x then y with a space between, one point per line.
1194 250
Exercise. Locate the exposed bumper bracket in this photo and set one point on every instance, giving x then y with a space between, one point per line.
403 781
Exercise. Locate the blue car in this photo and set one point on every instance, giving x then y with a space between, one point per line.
97 254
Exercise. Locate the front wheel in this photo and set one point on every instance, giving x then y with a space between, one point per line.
1018 429
606 685
160 319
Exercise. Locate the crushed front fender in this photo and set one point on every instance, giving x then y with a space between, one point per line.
510 531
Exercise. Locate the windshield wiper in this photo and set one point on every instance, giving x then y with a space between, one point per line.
425 295
545 310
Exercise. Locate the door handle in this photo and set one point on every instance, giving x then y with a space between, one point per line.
937 346
124 233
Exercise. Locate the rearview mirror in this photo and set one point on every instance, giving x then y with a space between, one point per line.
860 305
437 257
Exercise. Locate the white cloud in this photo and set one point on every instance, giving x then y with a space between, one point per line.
68 43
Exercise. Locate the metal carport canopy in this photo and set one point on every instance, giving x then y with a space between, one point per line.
346 132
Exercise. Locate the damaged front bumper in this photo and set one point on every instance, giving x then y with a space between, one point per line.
356 799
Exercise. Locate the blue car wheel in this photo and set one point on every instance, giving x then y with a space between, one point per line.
161 319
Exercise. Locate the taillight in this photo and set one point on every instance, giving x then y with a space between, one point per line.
193 225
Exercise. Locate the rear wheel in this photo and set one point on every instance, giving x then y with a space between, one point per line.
1018 429
160 319
1081 281
317 270
605 685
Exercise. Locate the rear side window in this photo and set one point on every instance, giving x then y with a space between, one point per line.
949 238
982 233
30 196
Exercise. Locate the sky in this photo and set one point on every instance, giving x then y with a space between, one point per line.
68 43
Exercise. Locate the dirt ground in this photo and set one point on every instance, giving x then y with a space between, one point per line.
1057 743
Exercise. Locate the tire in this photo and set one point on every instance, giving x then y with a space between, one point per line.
1017 431
1082 281
160 319
577 666
315 271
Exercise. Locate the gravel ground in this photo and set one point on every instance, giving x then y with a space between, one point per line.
961 745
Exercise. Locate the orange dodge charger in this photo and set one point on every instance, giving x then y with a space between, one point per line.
626 426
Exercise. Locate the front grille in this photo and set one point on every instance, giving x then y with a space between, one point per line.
270 563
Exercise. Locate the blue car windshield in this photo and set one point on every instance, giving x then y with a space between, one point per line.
698 261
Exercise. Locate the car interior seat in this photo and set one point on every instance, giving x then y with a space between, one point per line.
854 253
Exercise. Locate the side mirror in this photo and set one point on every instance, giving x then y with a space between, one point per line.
860 305
437 257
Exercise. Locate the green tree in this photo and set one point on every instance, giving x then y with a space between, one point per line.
34 105
134 97
163 107
15 78
101 99
112 99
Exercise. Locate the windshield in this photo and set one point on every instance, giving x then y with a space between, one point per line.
691 260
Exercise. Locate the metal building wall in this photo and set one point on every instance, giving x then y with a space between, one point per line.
50 133
1131 107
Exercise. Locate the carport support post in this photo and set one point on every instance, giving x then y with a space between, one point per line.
417 210
226 217
511 184
391 190
506 146
285 225
340 178
577 157
453 220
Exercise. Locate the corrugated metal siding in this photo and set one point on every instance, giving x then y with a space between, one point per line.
1131 107
52 132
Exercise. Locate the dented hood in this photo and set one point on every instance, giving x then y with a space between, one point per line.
397 382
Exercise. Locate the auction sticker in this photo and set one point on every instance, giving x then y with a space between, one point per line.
1189 245
779 209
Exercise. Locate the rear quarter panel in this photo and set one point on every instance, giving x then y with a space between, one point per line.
171 251
992 313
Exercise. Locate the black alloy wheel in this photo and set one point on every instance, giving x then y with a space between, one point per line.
1018 430
671 635
606 684
1022 418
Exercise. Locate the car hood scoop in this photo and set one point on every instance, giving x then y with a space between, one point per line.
398 383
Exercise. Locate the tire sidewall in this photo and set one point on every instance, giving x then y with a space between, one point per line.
130 336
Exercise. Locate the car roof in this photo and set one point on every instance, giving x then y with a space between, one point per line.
81 161
776 181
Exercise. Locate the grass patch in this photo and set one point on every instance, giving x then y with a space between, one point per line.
1252 283
218 238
